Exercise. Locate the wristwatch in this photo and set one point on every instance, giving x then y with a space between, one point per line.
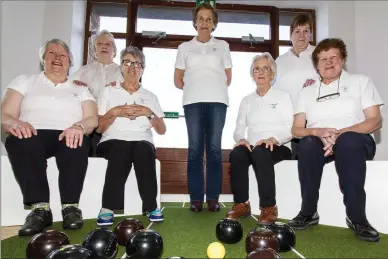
80 126
151 117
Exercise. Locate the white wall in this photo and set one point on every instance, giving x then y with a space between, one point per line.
371 41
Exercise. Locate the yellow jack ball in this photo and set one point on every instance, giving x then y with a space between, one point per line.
216 250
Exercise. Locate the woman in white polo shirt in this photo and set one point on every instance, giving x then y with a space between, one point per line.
267 114
203 71
342 111
99 72
47 115
128 112
295 68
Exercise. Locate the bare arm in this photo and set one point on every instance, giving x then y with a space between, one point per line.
299 129
107 119
373 121
159 125
10 109
90 118
178 78
228 72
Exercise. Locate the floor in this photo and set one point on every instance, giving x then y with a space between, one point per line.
6 232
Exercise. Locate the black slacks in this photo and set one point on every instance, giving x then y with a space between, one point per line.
28 158
120 155
263 161
350 154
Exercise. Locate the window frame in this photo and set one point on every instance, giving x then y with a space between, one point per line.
173 41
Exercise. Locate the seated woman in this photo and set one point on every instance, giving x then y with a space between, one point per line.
128 113
342 110
47 115
99 72
267 113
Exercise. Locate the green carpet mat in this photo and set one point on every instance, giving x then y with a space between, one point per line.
188 234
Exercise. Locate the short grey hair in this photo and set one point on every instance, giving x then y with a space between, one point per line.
272 62
43 49
103 33
134 51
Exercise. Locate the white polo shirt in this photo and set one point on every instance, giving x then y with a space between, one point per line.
124 128
293 71
265 116
97 76
204 64
46 106
357 92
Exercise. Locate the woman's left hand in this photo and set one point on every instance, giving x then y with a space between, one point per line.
268 143
140 110
74 136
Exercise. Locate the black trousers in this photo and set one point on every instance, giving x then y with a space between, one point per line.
28 158
94 140
350 154
120 155
263 161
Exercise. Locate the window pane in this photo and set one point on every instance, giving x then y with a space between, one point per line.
285 20
179 22
283 49
159 78
111 17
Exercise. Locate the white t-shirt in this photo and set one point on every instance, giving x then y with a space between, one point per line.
357 92
97 76
293 71
265 116
46 106
204 64
124 128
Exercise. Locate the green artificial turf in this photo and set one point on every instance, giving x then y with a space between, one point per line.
188 234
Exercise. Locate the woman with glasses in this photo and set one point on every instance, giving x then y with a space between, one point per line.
335 118
203 70
127 113
267 114
295 69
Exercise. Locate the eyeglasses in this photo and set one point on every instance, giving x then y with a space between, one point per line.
261 69
328 96
129 63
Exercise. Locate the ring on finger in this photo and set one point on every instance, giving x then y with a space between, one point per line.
15 126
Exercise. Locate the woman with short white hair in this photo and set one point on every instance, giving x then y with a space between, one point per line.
47 115
267 114
99 72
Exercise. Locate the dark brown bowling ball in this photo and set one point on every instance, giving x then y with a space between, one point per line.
285 235
126 228
42 244
261 238
262 253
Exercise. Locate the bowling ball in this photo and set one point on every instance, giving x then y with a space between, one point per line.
261 238
145 243
262 253
284 234
126 228
229 231
176 257
42 244
102 243
70 252
215 250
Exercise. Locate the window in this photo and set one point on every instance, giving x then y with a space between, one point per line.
133 23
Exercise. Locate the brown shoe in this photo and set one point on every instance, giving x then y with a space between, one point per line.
239 210
268 215
213 206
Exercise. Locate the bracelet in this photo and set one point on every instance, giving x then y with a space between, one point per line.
79 125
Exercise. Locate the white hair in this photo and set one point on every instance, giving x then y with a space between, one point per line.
94 42
43 49
270 59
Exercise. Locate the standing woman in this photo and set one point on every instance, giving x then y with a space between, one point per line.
295 68
203 70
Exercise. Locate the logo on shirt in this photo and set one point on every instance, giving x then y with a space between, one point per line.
111 84
345 89
273 105
214 49
76 95
79 83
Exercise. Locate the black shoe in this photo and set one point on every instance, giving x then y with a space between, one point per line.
196 206
364 231
72 218
36 222
302 222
